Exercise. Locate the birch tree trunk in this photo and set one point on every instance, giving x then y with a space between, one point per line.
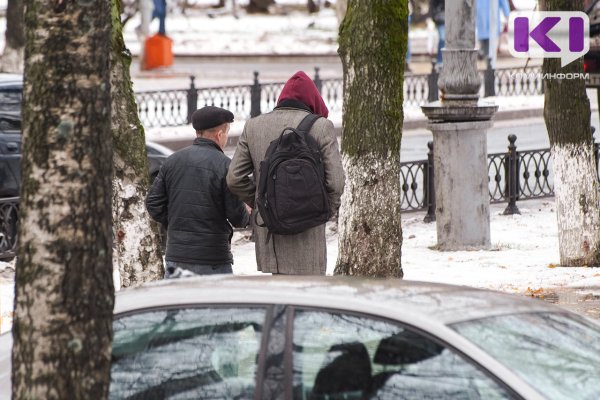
372 48
64 291
14 45
137 254
567 116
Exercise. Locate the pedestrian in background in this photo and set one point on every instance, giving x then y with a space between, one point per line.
437 11
160 12
483 25
191 199
304 253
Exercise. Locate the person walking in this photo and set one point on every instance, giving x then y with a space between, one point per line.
303 253
160 12
191 199
437 11
483 25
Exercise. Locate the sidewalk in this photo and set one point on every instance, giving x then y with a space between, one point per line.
523 258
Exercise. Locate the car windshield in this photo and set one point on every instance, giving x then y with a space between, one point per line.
557 354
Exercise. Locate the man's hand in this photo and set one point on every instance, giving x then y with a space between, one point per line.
248 208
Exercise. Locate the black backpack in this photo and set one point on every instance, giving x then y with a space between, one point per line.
291 192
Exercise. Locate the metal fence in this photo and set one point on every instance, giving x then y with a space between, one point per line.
174 107
513 176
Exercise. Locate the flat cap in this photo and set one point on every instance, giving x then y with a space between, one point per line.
209 117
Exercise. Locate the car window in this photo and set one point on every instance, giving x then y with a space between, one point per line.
341 356
193 353
555 353
10 122
10 100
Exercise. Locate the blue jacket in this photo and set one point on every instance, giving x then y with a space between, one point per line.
483 17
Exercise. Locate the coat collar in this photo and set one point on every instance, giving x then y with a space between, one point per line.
291 103
200 141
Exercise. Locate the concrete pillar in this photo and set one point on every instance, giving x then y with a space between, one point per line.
459 122
461 185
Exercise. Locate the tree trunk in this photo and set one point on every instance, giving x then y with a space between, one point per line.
14 46
64 291
567 116
137 254
373 39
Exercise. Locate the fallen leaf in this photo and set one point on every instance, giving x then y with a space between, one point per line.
534 292
552 265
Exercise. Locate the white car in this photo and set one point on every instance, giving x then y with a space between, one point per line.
342 338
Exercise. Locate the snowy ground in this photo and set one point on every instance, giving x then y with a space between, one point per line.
290 31
524 253
523 258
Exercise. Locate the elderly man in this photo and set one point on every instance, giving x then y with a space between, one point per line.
191 199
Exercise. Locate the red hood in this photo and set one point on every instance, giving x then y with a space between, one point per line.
301 88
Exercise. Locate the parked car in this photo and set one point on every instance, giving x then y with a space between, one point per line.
227 337
11 87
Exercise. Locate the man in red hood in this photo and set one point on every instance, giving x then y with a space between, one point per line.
304 253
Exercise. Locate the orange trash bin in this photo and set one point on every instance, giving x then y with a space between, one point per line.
158 52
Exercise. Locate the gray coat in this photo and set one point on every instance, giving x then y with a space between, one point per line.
306 252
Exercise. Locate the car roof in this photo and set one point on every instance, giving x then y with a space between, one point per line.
11 80
159 148
430 303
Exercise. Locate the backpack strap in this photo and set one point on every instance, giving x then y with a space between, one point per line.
307 123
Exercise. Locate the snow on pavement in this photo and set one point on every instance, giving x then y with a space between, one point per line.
523 257
524 253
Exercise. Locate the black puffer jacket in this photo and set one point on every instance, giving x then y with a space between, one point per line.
190 197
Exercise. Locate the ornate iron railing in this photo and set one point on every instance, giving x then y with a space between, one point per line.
331 90
234 98
416 90
513 175
163 108
174 107
519 81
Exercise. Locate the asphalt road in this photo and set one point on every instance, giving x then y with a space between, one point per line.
531 134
